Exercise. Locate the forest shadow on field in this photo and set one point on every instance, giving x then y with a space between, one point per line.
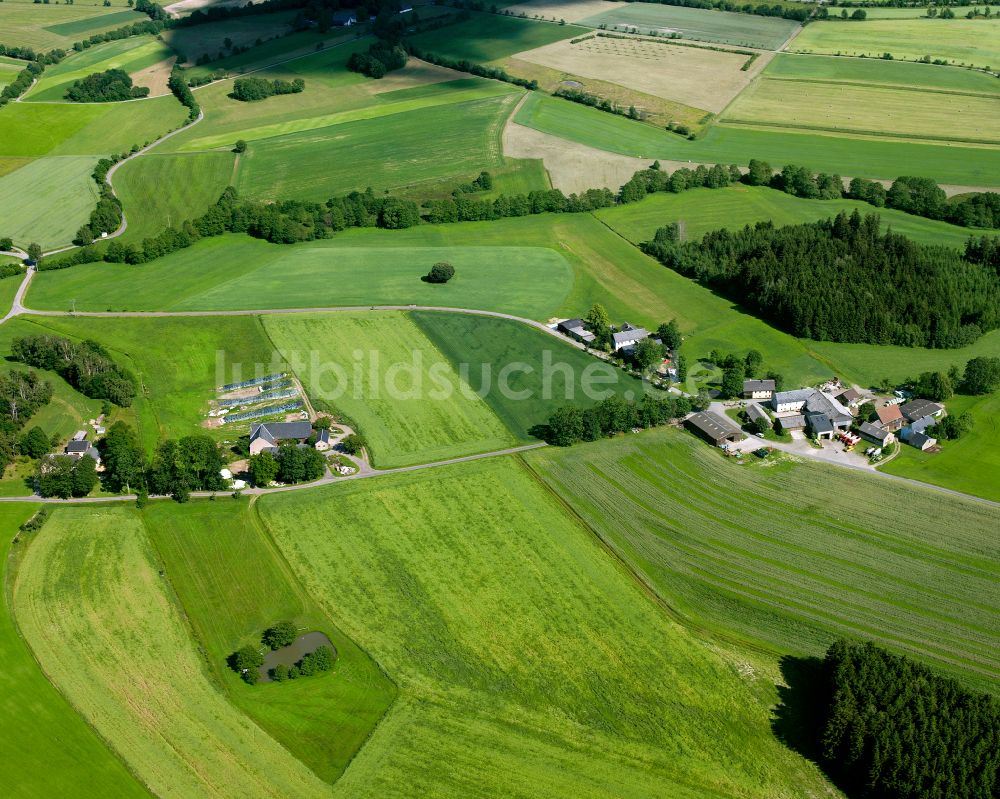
799 718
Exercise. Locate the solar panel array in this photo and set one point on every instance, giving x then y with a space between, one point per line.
259 412
257 381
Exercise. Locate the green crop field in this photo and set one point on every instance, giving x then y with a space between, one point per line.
237 272
703 210
272 51
106 629
767 33
131 55
970 464
48 749
26 200
975 42
523 373
793 555
45 26
528 662
193 41
489 37
848 155
383 373
159 190
233 584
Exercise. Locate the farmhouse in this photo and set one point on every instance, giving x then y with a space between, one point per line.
574 328
918 408
79 447
824 415
714 428
787 401
626 338
875 434
268 436
851 398
758 389
323 440
889 417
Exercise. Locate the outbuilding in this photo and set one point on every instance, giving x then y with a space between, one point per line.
875 434
714 428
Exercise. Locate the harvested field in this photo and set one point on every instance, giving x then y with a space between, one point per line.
569 10
696 76
155 77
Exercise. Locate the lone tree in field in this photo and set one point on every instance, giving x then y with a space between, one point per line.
441 272
241 146
353 444
34 252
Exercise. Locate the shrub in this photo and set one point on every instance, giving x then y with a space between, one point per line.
441 272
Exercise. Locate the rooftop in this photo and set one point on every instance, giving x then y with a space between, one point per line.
713 425
758 385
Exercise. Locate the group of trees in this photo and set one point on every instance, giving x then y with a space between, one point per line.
21 396
463 65
981 376
292 464
319 660
893 728
252 89
540 201
600 103
190 464
813 280
571 424
736 369
984 250
85 365
923 197
105 87
182 91
64 476
382 57
247 660
482 182
107 214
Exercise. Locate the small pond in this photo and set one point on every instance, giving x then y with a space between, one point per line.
294 652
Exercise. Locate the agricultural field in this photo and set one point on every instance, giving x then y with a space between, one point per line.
865 157
233 584
798 553
191 42
44 26
107 631
26 199
968 42
131 55
160 190
528 662
570 10
724 27
9 68
381 372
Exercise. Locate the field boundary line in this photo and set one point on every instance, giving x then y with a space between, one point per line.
915 137
903 87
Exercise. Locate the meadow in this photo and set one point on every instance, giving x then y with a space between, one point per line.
36 714
108 632
793 554
522 373
8 70
849 155
237 272
380 371
194 41
233 584
528 662
132 55
26 200
975 42
724 27
44 26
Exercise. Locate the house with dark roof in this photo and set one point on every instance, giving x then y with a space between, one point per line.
876 434
794 422
918 408
576 328
823 414
713 428
323 440
889 417
921 441
758 389
626 338
344 18
79 447
756 413
851 398
270 435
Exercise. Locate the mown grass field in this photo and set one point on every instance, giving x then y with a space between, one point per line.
793 555
8 70
975 42
703 210
522 373
131 55
725 27
26 200
528 661
110 635
848 155
159 190
382 372
48 749
488 37
233 584
45 26
237 272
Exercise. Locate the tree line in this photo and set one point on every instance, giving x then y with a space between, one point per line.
381 58
572 424
107 214
252 89
842 279
22 394
85 365
292 464
892 728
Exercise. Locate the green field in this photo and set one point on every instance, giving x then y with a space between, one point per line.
108 632
193 41
237 272
382 372
975 42
528 662
48 749
45 26
132 54
766 33
522 373
233 584
848 155
272 51
489 37
703 210
26 200
971 464
793 555
159 190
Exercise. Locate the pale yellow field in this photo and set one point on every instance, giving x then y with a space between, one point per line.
106 631
155 77
878 109
705 79
569 10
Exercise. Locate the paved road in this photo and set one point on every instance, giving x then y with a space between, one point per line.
327 480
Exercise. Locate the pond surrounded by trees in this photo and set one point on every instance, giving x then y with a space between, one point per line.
293 653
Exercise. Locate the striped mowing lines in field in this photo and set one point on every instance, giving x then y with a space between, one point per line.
795 555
